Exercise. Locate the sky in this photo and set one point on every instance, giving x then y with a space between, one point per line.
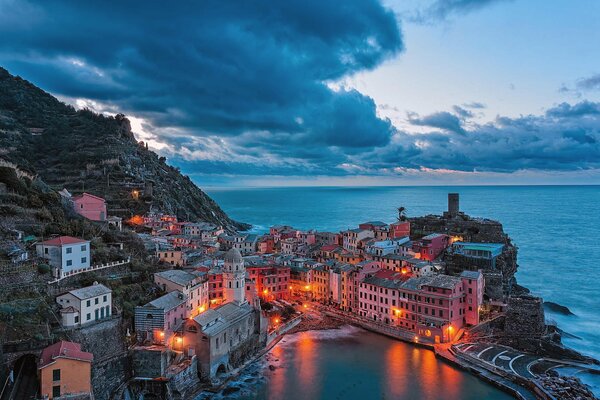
316 92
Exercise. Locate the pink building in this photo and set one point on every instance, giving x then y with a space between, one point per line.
473 284
399 229
90 206
433 308
162 317
431 246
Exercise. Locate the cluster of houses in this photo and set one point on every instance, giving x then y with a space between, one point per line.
210 304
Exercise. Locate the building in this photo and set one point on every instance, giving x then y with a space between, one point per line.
381 230
320 285
193 285
160 318
272 281
83 306
219 337
399 229
431 246
246 244
172 257
234 277
90 206
473 256
65 370
434 307
352 237
474 285
65 254
383 247
215 286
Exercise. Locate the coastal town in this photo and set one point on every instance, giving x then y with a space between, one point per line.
219 299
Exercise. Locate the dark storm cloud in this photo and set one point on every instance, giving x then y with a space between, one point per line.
245 87
441 120
211 67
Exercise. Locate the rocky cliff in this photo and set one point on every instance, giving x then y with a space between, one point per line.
84 151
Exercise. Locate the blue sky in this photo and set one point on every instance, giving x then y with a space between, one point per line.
257 93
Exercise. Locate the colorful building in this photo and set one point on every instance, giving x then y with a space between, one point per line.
272 281
431 246
194 285
90 206
160 318
65 370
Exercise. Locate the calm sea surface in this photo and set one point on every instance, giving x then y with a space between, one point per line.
557 230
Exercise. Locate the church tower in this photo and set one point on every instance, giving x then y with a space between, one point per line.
234 277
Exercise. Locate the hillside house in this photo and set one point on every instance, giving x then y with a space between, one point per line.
90 206
65 254
65 370
85 305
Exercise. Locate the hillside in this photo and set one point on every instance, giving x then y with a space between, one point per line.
84 151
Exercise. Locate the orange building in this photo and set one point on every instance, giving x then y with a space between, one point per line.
64 369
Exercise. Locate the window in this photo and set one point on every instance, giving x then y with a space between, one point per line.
96 300
76 319
69 250
69 263
89 316
56 391
83 260
105 298
96 313
45 250
89 303
83 247
56 375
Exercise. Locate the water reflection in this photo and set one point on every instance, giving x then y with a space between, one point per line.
350 363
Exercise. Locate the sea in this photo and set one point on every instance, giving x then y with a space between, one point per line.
556 230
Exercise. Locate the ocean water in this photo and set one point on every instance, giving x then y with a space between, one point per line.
556 228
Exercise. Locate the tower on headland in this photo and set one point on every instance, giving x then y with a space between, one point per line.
453 206
234 277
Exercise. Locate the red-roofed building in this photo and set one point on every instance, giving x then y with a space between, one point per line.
65 254
64 369
90 206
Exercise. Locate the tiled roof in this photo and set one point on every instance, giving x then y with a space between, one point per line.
80 196
470 274
215 320
177 276
62 240
168 301
90 291
63 349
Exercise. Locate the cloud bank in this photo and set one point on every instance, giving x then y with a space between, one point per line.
250 88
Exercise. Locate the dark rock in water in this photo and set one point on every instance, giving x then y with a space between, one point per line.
230 390
557 308
567 334
248 380
272 367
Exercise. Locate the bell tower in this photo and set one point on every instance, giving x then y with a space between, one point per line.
234 277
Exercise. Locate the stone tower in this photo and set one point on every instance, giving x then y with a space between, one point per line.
453 204
234 277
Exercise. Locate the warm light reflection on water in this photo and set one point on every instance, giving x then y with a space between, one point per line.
353 364
395 370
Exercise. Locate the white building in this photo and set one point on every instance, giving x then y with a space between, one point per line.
65 254
85 305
